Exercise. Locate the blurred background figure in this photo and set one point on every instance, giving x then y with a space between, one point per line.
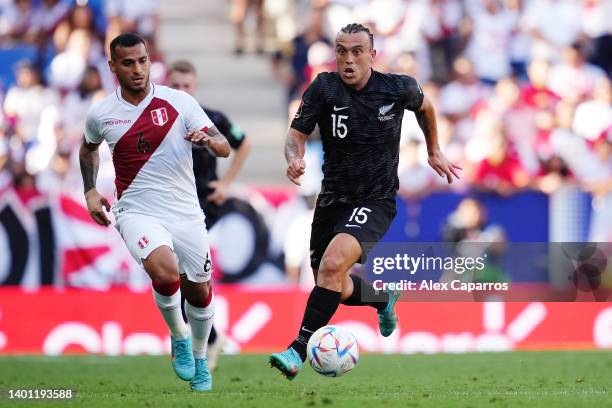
238 15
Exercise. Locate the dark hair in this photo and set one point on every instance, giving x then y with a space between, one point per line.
358 28
125 40
182 66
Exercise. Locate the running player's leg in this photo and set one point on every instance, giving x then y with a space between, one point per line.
341 253
192 249
368 223
150 244
339 256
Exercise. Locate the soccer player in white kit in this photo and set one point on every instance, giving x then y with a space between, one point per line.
150 130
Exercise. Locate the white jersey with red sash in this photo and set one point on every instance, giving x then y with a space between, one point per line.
153 162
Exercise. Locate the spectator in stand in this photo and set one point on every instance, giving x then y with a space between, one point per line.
459 96
79 18
238 15
67 67
536 93
415 178
139 16
501 171
46 17
594 116
488 47
448 41
574 78
25 102
596 21
15 20
552 25
77 103
297 76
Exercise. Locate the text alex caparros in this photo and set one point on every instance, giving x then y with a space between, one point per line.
414 264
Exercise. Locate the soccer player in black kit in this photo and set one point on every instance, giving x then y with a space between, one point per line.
212 190
359 112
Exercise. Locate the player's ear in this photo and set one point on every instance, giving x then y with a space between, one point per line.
373 53
111 65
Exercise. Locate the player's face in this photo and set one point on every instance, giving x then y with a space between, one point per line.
354 56
184 81
132 66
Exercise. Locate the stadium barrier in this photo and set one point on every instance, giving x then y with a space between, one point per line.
119 321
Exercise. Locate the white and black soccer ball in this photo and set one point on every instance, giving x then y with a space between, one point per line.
332 351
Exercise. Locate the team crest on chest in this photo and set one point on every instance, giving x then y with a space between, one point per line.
384 110
159 116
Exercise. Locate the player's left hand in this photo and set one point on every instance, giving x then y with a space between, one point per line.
219 194
443 166
199 138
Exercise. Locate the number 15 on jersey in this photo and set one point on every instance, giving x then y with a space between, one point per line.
339 128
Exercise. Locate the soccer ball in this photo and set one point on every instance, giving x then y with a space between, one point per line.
332 351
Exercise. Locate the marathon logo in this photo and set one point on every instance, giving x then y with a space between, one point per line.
113 122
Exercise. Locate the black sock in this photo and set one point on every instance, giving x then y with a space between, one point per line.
364 294
321 306
213 335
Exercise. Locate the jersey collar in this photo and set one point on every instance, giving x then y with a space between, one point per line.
142 103
367 85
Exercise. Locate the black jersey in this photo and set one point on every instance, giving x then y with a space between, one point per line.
360 132
205 163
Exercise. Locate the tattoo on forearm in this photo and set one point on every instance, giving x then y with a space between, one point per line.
90 161
292 150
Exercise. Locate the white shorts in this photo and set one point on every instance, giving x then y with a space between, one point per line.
188 239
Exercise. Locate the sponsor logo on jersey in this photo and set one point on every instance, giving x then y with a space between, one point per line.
143 242
337 108
159 116
114 122
383 110
207 264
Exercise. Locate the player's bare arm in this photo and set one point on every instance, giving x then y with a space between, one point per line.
89 159
294 154
426 117
212 139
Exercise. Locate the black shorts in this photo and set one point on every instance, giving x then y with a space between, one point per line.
367 222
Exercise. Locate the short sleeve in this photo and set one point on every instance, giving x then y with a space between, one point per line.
92 130
235 136
195 117
413 94
307 114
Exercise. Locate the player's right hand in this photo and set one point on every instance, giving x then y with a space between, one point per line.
95 205
295 169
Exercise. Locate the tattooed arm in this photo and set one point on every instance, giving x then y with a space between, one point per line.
426 117
90 161
294 153
212 139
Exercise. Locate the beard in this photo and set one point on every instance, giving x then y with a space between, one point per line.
131 88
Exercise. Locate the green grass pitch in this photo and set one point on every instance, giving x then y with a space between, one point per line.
517 379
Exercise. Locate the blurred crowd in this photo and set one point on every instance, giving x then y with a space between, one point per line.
54 65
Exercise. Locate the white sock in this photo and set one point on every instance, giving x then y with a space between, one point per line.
170 308
201 322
